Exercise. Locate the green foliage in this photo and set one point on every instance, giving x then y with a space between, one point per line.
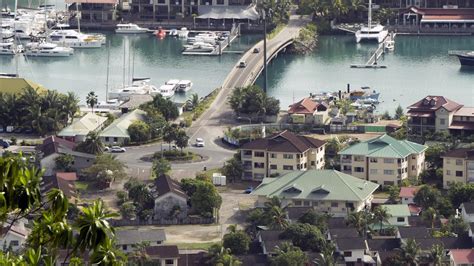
106 168
459 193
156 123
429 215
360 221
386 116
409 252
398 112
192 101
91 100
164 106
457 226
160 167
289 255
181 139
92 144
174 155
381 215
128 210
139 131
384 14
314 218
233 167
433 156
189 185
253 101
169 134
305 236
238 242
205 199
64 163
427 196
142 198
122 197
257 217
393 194
218 255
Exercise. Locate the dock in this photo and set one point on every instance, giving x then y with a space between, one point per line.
221 45
374 58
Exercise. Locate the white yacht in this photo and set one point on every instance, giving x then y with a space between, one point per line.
199 47
184 86
142 86
370 33
130 28
45 49
72 38
183 33
165 90
7 48
173 82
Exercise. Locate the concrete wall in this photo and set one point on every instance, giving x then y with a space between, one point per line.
450 167
356 254
114 140
394 221
165 203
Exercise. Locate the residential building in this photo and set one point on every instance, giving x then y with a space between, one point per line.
170 199
458 166
438 16
354 250
62 181
384 160
463 121
383 249
17 85
308 111
399 214
53 147
163 255
461 257
336 233
79 128
117 132
15 238
126 238
407 194
326 191
269 240
431 114
467 212
281 153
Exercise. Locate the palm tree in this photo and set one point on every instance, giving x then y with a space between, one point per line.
327 254
218 255
278 218
381 215
430 215
273 202
91 100
437 254
92 144
409 252
193 100
107 255
358 220
70 105
37 119
139 255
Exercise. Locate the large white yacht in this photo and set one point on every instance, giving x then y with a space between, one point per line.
72 38
141 86
371 33
184 86
130 28
45 49
166 90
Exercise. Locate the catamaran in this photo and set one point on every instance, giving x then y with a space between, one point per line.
370 33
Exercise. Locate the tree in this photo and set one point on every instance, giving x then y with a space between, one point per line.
128 211
381 215
256 217
218 255
437 254
91 100
433 156
205 199
457 226
169 134
141 196
398 112
122 197
238 242
162 105
393 194
253 101
278 218
304 236
181 139
71 105
161 166
139 131
344 105
359 220
316 219
105 169
459 193
64 163
288 255
429 215
409 252
327 254
193 101
386 116
427 196
92 144
233 167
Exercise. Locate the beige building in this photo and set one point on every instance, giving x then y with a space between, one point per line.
281 153
308 111
383 160
458 166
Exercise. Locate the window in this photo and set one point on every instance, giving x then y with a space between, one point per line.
413 157
107 139
458 162
400 219
298 156
297 202
458 173
334 204
347 253
313 163
413 168
247 153
298 167
259 154
273 155
14 243
373 160
442 121
287 156
373 171
307 203
168 261
258 165
287 167
115 139
448 172
358 169
388 160
259 176
273 166
388 172
161 1
124 247
346 168
359 158
158 242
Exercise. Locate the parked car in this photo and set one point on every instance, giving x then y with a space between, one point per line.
200 142
18 130
115 149
242 64
4 144
248 190
256 50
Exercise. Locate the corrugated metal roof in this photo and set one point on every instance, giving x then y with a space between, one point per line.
17 85
397 210
83 125
119 128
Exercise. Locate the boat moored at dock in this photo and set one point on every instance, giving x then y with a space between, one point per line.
72 38
166 90
377 33
138 87
130 28
184 86
466 58
45 49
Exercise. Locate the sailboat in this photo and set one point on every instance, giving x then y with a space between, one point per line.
370 33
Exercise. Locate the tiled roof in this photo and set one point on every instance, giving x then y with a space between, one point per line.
463 153
52 145
468 207
317 185
383 244
165 184
305 106
442 11
460 242
133 236
119 128
465 111
165 252
408 192
397 210
83 125
343 233
414 232
61 181
284 142
344 244
433 103
384 147
414 209
462 256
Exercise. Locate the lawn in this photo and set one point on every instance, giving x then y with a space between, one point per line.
204 245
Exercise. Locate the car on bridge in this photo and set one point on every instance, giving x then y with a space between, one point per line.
256 50
242 64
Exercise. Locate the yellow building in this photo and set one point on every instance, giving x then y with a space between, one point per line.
458 166
383 160
17 85
281 153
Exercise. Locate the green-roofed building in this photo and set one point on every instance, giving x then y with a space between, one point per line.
117 132
399 214
327 191
384 160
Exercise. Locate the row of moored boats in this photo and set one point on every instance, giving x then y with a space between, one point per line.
142 86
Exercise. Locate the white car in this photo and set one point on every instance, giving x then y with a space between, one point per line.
200 142
115 149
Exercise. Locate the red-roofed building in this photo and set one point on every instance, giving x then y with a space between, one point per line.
445 17
168 196
308 111
464 257
62 181
407 194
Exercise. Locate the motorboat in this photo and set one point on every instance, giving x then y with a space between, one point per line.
466 58
173 32
7 48
130 28
184 86
23 33
199 47
72 38
138 87
183 33
364 95
370 33
166 90
390 45
173 82
160 33
46 49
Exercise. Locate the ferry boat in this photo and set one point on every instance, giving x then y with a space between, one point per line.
130 28
139 86
72 38
45 49
466 58
184 86
166 90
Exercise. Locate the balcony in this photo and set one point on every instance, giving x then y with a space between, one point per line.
346 160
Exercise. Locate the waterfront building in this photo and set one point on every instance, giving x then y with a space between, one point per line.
117 132
308 111
327 191
281 153
458 166
384 160
438 113
79 128
94 11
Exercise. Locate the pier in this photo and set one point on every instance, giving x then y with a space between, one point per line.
374 58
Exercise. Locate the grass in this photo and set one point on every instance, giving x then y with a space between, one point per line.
190 116
81 185
204 245
381 195
209 172
275 31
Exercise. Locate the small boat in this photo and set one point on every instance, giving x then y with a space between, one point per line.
160 33
7 48
183 33
173 32
377 33
45 49
72 38
199 47
184 86
364 95
130 28
138 87
466 58
390 45
165 91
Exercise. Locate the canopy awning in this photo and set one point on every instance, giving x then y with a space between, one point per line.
113 2
228 12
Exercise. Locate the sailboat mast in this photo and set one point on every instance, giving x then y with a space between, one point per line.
133 63
369 22
123 74
108 68
77 16
129 78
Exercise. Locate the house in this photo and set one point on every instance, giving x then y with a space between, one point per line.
463 122
192 257
308 111
431 114
79 128
170 199
381 249
335 233
407 194
15 238
327 191
166 255
384 160
269 240
117 132
399 214
413 232
17 85
62 181
127 238
281 153
461 257
134 101
354 251
467 212
458 166
53 147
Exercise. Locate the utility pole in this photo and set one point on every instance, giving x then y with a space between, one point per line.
264 51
